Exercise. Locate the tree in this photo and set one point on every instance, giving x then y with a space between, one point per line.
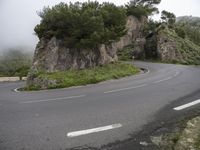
83 25
141 8
168 17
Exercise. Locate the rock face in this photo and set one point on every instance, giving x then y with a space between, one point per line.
162 47
167 49
51 55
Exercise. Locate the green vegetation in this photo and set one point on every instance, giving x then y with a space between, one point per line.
90 24
191 27
183 37
142 8
126 53
194 21
197 142
168 18
180 32
86 76
83 25
189 51
15 63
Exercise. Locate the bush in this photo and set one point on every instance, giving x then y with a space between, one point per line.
180 32
140 8
137 11
83 25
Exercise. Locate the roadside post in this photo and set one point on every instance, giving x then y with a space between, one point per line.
133 59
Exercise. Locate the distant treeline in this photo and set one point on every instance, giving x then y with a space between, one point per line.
15 62
191 26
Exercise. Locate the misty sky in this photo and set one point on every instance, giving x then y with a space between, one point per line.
18 18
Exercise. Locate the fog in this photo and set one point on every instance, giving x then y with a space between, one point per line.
18 18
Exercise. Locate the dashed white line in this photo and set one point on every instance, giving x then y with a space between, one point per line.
163 80
55 99
177 73
94 130
187 105
168 78
123 89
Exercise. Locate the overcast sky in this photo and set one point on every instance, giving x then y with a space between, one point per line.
18 18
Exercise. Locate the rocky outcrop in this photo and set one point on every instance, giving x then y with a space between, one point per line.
167 50
165 45
51 55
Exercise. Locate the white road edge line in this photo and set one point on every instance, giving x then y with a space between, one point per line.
123 89
187 105
166 79
55 99
94 130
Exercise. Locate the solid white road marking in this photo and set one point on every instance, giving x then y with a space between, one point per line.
187 105
55 99
94 130
163 80
123 89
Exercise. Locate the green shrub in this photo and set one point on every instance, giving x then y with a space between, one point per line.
126 53
141 8
180 32
86 76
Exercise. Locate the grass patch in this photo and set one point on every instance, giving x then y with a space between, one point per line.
82 77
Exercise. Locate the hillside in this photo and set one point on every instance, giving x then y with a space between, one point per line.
195 21
180 50
191 26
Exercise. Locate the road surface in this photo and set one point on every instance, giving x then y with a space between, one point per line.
94 115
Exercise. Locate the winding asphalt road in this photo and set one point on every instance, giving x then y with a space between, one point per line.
92 115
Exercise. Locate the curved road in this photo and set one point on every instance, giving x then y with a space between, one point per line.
92 115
